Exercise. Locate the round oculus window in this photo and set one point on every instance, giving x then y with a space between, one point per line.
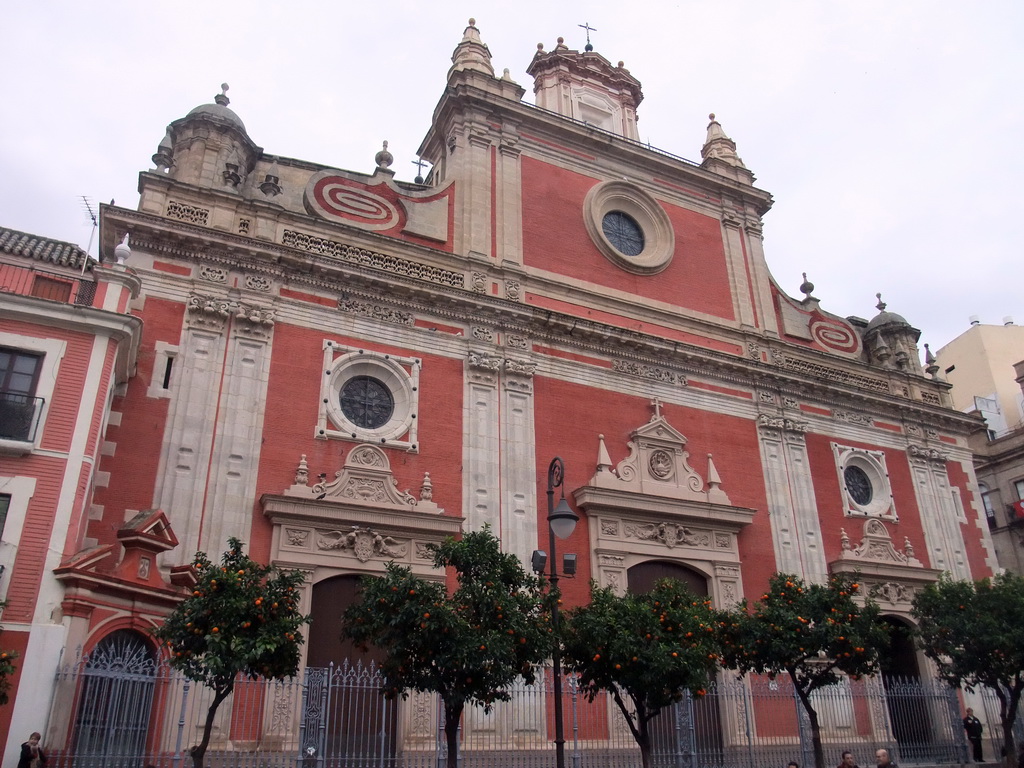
623 232
858 484
367 402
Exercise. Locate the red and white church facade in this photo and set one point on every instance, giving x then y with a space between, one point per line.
340 368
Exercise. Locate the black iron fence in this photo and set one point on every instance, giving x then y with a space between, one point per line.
122 710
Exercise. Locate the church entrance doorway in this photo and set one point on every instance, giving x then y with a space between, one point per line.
673 724
909 712
115 700
360 725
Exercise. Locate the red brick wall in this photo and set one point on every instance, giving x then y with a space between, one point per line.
295 374
829 499
555 239
138 439
975 517
569 418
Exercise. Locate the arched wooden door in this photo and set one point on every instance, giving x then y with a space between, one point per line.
361 726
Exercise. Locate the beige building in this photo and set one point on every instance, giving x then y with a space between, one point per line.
985 365
979 364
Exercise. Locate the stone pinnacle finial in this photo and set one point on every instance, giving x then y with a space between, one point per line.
222 97
122 251
384 159
881 305
718 146
806 287
471 53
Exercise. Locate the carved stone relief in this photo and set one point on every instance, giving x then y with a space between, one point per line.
364 543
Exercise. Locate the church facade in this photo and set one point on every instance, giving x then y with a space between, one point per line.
341 368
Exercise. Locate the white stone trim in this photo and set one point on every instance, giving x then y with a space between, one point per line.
872 463
53 351
20 489
659 237
401 375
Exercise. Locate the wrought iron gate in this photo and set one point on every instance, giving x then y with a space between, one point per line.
114 703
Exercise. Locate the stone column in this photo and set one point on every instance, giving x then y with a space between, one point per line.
518 461
235 451
792 507
481 450
189 431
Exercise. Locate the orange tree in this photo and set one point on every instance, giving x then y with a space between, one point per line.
972 631
242 618
648 649
811 632
468 646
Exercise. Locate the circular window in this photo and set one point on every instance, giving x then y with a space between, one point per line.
369 396
629 227
623 232
367 402
858 485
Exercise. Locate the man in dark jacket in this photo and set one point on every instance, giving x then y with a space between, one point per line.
973 727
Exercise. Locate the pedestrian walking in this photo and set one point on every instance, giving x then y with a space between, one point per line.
882 759
847 760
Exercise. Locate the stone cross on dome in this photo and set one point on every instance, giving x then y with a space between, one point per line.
586 25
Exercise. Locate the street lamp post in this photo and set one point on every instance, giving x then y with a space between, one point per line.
561 523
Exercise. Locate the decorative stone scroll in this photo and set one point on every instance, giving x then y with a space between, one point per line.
669 534
658 464
645 371
365 543
764 421
212 274
366 477
212 313
375 311
877 546
922 453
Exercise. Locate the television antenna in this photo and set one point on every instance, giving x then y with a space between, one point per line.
87 206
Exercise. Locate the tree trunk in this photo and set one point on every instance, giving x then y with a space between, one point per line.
819 752
643 740
452 717
1007 716
198 752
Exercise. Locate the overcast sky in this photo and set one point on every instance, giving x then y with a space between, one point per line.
891 134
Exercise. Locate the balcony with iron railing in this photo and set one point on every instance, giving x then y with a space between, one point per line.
19 422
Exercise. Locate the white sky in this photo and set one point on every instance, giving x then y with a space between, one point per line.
890 133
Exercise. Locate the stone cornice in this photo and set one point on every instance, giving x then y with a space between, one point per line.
99 322
595 500
467 307
289 509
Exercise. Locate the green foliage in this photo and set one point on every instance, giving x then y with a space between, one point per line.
7 668
241 618
972 631
469 646
651 647
812 632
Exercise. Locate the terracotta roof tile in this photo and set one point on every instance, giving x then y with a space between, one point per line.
41 248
